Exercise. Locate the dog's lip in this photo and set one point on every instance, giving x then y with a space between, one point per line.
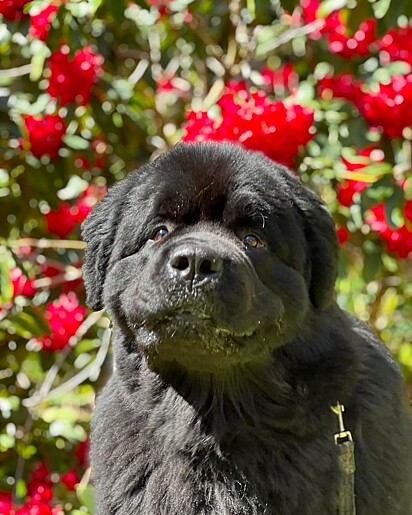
192 317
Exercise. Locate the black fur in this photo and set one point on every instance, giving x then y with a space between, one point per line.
228 357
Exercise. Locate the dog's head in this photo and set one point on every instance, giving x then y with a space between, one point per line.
210 256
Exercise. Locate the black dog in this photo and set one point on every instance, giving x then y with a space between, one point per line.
217 268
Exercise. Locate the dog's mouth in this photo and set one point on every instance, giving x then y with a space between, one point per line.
193 319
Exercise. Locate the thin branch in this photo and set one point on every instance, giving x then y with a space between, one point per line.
12 73
44 243
290 34
48 381
87 372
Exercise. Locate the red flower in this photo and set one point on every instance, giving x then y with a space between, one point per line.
343 235
70 479
330 23
12 9
390 108
45 134
398 241
357 45
39 490
21 284
63 221
252 120
348 187
60 222
65 316
72 79
341 86
396 45
40 22
35 509
6 507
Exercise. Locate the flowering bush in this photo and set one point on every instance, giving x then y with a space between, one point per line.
91 90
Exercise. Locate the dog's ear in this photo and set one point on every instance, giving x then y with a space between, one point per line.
323 248
99 231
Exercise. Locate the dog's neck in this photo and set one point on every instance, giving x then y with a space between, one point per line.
280 396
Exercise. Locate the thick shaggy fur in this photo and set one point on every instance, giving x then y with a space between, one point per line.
228 356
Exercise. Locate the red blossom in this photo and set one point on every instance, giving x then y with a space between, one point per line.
71 79
330 23
396 45
63 221
45 134
70 479
82 453
341 86
343 235
251 119
398 241
359 44
41 21
390 108
65 316
22 285
40 490
6 506
12 9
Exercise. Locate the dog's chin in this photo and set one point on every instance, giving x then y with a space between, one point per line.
197 343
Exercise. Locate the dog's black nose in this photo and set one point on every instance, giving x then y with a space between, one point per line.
195 265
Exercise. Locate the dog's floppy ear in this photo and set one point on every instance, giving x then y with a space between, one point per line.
99 231
323 248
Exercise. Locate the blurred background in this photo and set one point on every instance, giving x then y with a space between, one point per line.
91 89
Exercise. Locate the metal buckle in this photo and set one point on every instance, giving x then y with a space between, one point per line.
343 435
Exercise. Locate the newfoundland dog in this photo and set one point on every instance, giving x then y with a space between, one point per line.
217 267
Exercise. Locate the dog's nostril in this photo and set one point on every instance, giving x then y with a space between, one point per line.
181 263
205 267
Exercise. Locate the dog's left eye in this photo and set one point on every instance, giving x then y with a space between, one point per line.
250 240
160 233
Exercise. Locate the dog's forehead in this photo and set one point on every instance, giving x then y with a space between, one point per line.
213 185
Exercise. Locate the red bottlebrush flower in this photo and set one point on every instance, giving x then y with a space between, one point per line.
60 222
45 134
35 509
348 187
252 120
331 23
396 45
65 316
341 86
21 284
70 479
72 79
86 201
41 21
359 44
398 241
390 108
343 235
12 9
40 471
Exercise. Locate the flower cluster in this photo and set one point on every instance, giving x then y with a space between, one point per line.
12 9
284 77
250 119
45 134
72 78
396 45
40 22
64 316
334 28
62 221
398 241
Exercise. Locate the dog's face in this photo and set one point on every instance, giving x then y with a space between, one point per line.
209 257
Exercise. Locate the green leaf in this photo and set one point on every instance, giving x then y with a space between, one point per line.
329 6
76 142
29 323
6 286
86 496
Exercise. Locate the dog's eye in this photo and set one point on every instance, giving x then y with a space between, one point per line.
160 233
250 240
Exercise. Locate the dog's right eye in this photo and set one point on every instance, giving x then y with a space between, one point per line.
159 233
